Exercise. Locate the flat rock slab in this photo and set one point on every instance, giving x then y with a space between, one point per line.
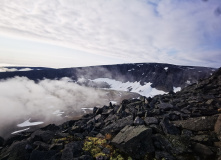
134 140
118 125
198 124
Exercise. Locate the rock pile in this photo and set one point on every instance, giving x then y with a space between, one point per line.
183 126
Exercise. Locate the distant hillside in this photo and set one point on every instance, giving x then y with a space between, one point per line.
164 77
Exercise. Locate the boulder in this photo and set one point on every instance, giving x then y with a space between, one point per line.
165 106
43 155
151 120
172 144
134 140
116 126
17 151
198 124
168 127
51 127
204 151
44 136
14 138
138 121
161 155
41 145
72 150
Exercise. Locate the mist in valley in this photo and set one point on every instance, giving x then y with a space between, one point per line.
22 98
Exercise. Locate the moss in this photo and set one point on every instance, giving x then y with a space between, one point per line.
65 140
96 146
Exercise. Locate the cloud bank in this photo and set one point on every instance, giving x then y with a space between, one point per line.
22 99
172 31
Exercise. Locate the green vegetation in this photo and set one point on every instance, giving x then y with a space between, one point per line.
99 147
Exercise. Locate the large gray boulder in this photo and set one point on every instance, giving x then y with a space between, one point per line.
134 140
43 155
168 127
72 150
198 124
44 136
17 151
116 126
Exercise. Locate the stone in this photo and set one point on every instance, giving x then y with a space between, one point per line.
116 126
72 150
165 106
151 120
108 111
198 124
17 151
209 102
172 144
51 127
203 150
173 116
134 140
168 127
43 155
41 145
156 129
44 136
67 124
98 110
138 121
14 138
97 118
162 155
57 146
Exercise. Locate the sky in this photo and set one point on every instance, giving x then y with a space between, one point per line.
71 33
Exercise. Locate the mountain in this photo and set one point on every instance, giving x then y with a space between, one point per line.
177 126
137 77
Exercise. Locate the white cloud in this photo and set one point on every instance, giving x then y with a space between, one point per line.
135 30
22 99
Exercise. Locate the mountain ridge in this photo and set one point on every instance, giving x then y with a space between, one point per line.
161 76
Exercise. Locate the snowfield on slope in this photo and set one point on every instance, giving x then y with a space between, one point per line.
144 90
28 123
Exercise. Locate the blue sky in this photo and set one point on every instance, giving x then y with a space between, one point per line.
70 33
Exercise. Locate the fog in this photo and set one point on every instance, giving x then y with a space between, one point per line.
22 98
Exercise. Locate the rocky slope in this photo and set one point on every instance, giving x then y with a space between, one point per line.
161 76
185 125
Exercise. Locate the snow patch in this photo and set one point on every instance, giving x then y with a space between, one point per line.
84 109
176 89
58 113
20 130
113 102
188 82
3 69
131 69
144 90
25 69
165 68
28 123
